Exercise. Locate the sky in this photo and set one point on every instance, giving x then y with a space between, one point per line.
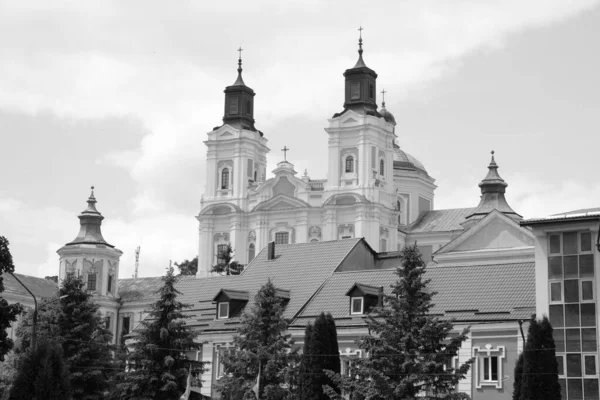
121 95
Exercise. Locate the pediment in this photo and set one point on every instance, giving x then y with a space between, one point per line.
349 121
225 134
281 202
494 232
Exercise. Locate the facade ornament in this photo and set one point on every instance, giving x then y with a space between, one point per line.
252 236
314 232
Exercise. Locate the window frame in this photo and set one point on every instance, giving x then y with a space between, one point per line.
281 234
490 352
219 304
381 167
355 85
225 171
94 280
491 361
349 162
581 282
362 305
583 366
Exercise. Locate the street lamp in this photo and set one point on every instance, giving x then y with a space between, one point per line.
35 310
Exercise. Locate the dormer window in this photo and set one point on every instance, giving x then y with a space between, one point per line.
363 298
356 305
223 310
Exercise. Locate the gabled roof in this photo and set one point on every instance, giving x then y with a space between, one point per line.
302 267
365 289
40 287
233 294
440 221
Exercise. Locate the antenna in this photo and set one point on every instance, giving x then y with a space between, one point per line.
137 262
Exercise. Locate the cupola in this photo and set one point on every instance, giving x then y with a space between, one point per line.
361 85
90 221
239 102
385 114
493 188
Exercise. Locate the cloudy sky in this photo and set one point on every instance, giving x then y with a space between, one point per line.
120 95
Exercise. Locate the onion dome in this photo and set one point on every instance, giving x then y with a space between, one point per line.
385 114
493 188
239 102
405 161
90 220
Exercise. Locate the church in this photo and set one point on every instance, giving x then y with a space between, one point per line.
336 241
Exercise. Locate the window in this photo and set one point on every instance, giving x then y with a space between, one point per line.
488 365
356 305
91 284
490 369
255 175
354 90
233 105
221 251
107 322
371 91
282 237
349 164
109 285
381 167
225 178
248 107
223 310
251 252
125 325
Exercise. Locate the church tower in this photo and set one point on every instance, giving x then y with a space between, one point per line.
95 260
236 162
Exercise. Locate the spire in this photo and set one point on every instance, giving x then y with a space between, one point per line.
360 63
239 81
90 221
360 85
493 188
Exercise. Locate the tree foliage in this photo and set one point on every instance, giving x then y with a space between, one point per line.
320 353
261 359
42 374
8 312
518 378
225 265
158 364
540 369
408 349
188 267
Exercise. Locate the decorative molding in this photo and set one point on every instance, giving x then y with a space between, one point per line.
251 236
488 351
314 232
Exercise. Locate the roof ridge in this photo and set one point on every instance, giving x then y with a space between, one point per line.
478 265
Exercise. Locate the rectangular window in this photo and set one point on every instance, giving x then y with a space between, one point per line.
561 367
125 325
490 369
356 304
91 284
233 105
554 244
354 90
373 157
570 243
587 290
109 285
589 364
371 91
282 238
555 292
107 322
221 250
586 241
223 310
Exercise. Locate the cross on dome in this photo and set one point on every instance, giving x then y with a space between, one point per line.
285 150
383 92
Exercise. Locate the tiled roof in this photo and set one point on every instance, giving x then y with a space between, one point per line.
440 220
40 287
584 214
300 268
466 293
144 288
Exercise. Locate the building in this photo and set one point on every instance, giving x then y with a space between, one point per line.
566 284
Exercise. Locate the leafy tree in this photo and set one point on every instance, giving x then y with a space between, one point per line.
158 365
320 353
8 312
408 349
225 266
261 360
42 374
540 369
188 267
518 378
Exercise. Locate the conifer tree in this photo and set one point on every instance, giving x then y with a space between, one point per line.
540 369
408 348
157 364
518 378
305 387
260 360
8 312
42 374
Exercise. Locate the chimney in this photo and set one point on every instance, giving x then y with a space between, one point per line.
271 251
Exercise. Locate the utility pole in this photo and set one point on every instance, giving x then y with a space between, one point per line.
137 261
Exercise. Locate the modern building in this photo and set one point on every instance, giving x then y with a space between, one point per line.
567 255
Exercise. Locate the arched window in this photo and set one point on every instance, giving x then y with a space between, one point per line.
225 178
251 252
381 167
349 164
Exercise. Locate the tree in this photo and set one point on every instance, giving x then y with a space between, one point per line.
320 353
518 378
540 369
8 312
261 359
224 265
408 349
188 267
158 365
42 374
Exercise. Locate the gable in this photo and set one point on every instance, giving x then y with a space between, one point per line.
284 186
349 121
495 234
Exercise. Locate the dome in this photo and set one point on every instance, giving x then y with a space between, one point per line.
403 160
388 116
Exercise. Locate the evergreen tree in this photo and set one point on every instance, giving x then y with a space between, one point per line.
188 267
518 378
8 312
157 364
408 350
540 369
42 374
320 354
261 360
225 266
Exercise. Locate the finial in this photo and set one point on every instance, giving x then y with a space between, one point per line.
493 162
360 50
383 92
240 60
285 150
92 198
